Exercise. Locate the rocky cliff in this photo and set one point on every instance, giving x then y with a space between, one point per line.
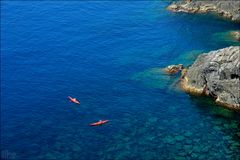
226 8
216 74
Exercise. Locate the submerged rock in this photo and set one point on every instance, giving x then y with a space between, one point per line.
227 8
188 134
216 74
169 140
179 138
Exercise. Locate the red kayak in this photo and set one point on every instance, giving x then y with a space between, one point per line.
100 122
73 100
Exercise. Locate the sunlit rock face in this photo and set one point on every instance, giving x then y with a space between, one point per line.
173 69
217 74
228 8
236 34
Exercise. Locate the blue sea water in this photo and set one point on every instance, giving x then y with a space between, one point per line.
108 55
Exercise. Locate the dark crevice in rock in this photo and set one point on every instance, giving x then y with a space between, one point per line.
235 76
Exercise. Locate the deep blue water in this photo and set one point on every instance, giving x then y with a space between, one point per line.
108 55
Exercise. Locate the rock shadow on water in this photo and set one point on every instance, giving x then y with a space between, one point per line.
203 103
222 122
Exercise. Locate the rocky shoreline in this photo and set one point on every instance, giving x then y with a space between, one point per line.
215 74
228 8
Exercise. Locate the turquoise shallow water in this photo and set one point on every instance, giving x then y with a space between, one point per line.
108 55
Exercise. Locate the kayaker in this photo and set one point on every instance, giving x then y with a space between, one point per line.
73 100
100 122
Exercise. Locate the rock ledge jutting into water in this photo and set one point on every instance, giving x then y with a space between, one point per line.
172 69
227 8
216 74
236 35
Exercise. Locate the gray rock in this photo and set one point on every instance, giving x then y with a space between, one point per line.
226 8
216 74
